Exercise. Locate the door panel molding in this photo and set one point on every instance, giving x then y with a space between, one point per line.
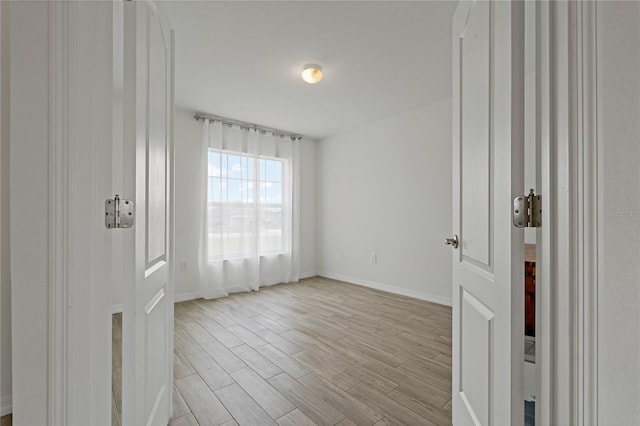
476 357
476 76
157 144
154 301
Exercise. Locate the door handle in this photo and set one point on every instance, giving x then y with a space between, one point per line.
453 242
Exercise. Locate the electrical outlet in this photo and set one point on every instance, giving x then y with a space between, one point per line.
184 265
374 257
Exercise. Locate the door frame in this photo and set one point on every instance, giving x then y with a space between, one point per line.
586 215
566 351
79 139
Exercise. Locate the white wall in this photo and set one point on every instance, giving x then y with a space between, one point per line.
187 156
308 208
618 30
385 188
187 153
5 260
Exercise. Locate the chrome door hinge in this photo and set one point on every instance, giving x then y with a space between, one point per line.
118 213
527 210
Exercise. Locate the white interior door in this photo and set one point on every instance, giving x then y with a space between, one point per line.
488 264
148 305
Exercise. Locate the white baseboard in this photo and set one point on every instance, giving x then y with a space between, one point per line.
216 294
117 308
6 405
388 288
184 297
236 289
304 275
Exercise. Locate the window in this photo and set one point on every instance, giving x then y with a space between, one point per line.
245 205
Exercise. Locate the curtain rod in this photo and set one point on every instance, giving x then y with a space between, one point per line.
245 125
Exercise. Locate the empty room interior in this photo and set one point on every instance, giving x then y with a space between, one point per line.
345 196
320 212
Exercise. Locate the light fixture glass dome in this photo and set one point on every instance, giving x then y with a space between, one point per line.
312 73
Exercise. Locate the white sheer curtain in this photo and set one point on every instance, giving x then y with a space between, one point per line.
249 210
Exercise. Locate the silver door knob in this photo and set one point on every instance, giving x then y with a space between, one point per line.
453 242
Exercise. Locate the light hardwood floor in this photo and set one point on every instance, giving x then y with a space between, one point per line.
316 352
5 420
116 370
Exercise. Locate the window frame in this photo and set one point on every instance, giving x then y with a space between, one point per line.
256 204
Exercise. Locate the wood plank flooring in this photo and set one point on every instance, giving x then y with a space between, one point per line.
5 420
116 370
317 352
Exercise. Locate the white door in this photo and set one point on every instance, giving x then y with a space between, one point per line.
148 307
488 269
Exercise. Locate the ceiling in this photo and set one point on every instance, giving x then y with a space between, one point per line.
243 60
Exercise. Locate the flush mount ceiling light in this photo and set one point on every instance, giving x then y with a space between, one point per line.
312 73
